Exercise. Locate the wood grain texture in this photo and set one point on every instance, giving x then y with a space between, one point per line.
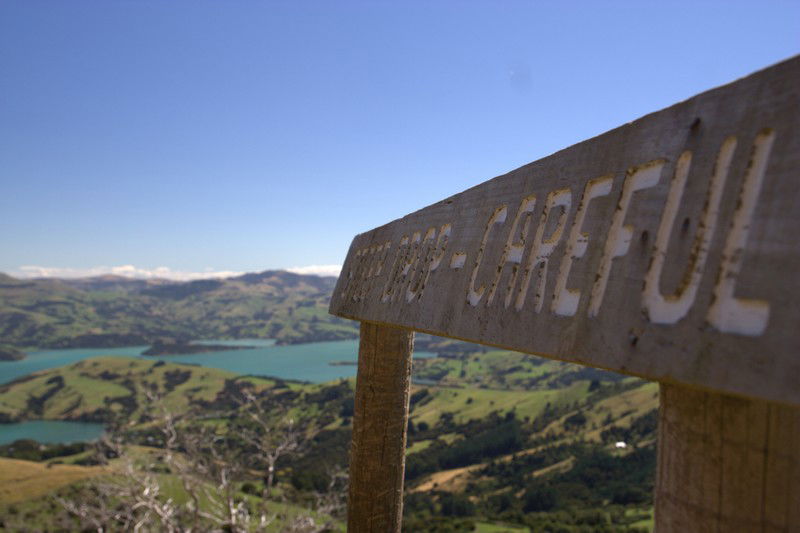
726 464
666 248
377 454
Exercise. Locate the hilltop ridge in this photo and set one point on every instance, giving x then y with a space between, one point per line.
108 311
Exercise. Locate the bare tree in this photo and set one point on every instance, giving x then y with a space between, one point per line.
333 501
210 467
275 435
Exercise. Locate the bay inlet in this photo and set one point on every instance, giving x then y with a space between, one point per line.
316 362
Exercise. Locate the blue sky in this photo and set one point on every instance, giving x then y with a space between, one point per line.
239 136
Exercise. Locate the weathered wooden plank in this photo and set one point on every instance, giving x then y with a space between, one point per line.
667 248
726 463
377 454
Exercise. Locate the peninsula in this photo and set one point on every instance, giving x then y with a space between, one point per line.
9 353
173 347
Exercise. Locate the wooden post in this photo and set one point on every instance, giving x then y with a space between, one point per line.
377 453
726 463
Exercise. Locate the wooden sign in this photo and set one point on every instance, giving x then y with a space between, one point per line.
668 248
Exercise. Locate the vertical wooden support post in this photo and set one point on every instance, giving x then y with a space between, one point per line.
726 464
377 453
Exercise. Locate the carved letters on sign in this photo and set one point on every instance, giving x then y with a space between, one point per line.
419 254
666 248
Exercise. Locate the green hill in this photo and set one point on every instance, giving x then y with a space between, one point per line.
112 311
494 438
103 388
9 353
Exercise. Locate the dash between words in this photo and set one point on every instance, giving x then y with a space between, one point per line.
421 253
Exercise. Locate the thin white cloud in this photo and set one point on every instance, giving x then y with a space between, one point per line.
129 271
161 272
318 270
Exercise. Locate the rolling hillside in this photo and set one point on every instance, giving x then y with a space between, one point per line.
112 311
102 388
495 437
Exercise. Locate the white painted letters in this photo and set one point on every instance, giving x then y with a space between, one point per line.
565 301
498 217
728 313
420 253
512 254
620 235
542 248
669 309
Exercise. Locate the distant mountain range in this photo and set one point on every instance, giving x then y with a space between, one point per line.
107 311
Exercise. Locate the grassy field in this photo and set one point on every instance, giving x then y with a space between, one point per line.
98 387
27 489
504 370
27 480
474 403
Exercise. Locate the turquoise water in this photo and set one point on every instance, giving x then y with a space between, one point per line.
256 343
50 431
35 361
305 362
